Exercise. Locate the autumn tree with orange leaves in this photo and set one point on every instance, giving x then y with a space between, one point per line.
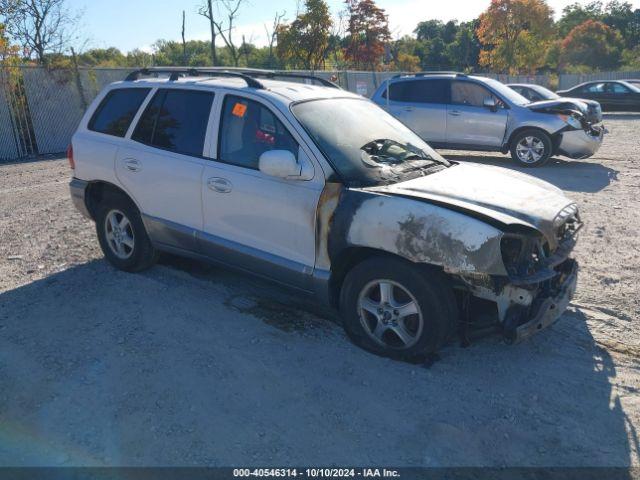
593 44
367 34
515 35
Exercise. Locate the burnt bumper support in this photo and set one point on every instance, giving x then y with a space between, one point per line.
548 308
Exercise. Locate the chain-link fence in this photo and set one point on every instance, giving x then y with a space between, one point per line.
41 108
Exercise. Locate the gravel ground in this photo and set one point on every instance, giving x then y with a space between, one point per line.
188 364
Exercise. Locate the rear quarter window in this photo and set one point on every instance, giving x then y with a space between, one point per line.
116 111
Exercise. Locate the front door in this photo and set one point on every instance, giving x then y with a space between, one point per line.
162 166
252 220
469 122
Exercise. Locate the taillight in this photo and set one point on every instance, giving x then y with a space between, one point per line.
72 163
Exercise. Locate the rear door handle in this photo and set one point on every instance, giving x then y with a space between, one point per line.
408 109
220 185
132 165
455 113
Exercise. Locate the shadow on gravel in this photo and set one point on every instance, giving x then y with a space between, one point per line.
568 175
98 367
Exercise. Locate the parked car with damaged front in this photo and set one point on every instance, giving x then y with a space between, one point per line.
322 191
467 112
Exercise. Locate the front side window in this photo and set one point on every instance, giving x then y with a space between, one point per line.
365 144
470 94
176 120
116 111
247 130
618 88
419 91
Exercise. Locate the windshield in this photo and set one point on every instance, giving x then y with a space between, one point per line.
365 144
505 92
545 92
633 86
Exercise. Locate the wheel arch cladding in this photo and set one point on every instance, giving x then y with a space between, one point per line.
98 190
418 231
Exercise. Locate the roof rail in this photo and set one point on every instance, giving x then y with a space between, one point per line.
263 73
177 72
422 74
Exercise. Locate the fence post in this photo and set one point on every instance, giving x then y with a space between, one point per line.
76 72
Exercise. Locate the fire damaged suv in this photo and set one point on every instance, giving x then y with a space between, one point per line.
323 191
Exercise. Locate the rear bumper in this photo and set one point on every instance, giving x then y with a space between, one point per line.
548 308
579 144
77 189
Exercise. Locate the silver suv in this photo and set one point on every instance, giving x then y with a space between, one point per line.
456 111
321 190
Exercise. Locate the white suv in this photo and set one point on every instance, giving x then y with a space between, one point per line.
321 190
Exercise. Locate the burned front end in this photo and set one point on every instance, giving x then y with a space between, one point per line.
541 277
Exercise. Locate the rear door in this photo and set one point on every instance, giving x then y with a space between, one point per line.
421 104
162 165
469 122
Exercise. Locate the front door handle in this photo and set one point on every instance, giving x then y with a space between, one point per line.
220 185
455 113
132 165
408 109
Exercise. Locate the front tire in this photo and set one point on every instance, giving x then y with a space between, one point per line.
531 148
122 236
396 309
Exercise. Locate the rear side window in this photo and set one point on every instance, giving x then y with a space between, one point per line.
116 111
176 120
248 130
419 91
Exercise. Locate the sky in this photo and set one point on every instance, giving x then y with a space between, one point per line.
129 24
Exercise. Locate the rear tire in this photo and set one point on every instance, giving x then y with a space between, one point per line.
531 148
397 309
122 236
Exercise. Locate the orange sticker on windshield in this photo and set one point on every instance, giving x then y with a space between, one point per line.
239 110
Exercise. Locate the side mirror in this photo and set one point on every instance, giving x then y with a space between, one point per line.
490 103
279 163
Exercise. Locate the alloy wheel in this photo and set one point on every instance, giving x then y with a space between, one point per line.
390 314
119 234
530 149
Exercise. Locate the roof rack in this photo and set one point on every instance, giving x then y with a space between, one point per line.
177 72
422 74
257 72
249 75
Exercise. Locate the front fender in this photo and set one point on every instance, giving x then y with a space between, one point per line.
417 231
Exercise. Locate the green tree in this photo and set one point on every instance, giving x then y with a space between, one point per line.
515 35
367 34
576 14
304 43
592 44
463 52
101 57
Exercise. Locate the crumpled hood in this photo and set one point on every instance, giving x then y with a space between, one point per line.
559 105
509 197
590 109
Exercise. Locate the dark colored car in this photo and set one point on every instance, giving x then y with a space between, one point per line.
613 95
538 93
